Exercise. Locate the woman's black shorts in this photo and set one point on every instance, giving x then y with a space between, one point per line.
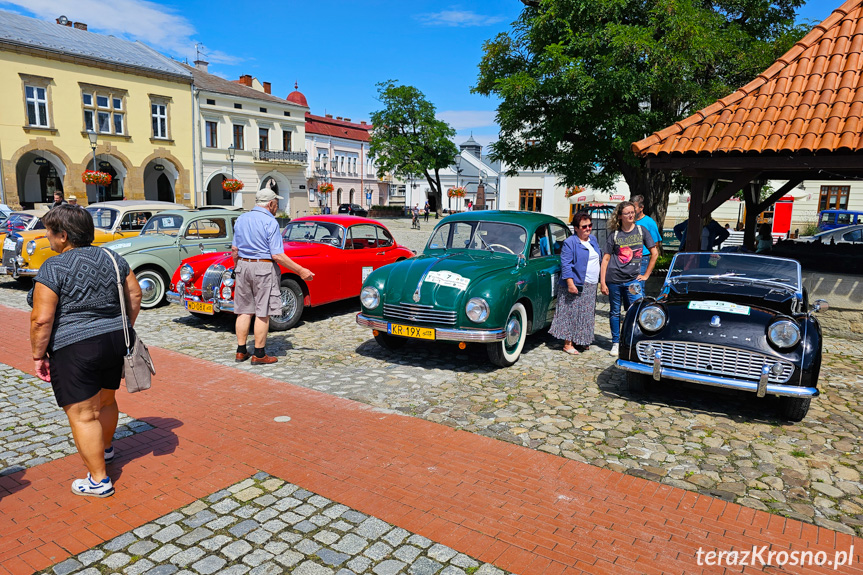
80 370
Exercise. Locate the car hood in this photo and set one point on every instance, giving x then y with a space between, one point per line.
301 249
446 277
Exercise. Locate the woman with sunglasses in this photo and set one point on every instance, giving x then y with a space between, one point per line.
621 264
576 300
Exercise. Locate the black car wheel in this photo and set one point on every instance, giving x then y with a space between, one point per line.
794 408
506 352
292 306
390 342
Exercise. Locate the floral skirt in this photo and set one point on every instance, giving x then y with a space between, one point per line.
575 315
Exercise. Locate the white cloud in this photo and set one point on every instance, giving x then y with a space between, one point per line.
154 24
458 19
466 119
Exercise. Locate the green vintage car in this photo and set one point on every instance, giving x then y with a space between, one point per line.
484 277
170 237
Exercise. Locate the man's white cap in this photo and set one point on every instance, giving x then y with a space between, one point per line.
266 195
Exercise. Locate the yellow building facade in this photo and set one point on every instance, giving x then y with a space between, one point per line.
63 83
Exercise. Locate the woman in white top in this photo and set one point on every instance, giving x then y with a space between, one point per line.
575 314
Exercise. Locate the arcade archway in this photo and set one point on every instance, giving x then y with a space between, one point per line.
39 174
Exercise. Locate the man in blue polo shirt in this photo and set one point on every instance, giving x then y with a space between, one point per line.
257 249
649 225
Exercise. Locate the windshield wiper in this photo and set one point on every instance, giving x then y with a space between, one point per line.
488 247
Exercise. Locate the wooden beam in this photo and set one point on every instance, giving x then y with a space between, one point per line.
696 203
797 163
729 190
789 185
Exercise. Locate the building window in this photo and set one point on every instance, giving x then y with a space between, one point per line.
286 140
238 137
212 131
159 112
37 106
287 113
104 110
238 106
211 102
264 138
263 110
834 198
530 200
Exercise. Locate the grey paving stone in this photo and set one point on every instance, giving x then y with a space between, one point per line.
331 557
120 542
420 541
287 503
344 571
305 526
164 553
351 544
221 522
488 569
285 491
168 533
378 551
66 567
289 558
261 475
257 557
310 568
406 553
183 558
320 520
138 567
93 555
274 525
142 547
238 569
246 511
265 500
200 518
243 527
396 536
170 518
219 495
302 494
290 537
116 560
462 560
215 543
335 511
388 567
441 553
146 530
453 570
259 536
236 550
266 514
163 570
373 528
290 517
424 566
225 506
266 569
354 516
194 536
326 537
209 564
318 501
341 525
307 547
359 564
276 547
305 509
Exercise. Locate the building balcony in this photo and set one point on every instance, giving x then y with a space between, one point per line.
281 157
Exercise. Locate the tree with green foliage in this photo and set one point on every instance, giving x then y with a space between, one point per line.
408 140
581 80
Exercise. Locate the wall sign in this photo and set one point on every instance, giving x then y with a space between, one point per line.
40 161
159 168
104 164
302 187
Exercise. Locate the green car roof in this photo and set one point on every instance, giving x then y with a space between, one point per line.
526 219
195 213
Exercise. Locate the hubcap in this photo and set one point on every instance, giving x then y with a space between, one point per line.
148 287
513 331
289 304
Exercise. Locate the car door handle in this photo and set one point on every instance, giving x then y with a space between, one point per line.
381 254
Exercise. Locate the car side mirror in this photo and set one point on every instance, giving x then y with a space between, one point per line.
635 288
820 305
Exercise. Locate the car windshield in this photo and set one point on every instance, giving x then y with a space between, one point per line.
168 224
103 218
735 268
18 222
311 231
487 236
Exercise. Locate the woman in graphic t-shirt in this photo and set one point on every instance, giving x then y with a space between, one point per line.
575 314
621 264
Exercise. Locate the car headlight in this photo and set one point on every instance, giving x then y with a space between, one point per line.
370 297
226 292
783 333
228 278
186 272
31 247
476 310
652 318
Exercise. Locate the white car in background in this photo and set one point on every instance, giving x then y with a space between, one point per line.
846 235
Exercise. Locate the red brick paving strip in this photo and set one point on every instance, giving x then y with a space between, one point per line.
521 509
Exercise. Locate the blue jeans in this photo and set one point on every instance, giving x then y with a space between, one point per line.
644 262
616 293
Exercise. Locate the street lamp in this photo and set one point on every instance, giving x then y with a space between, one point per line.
457 174
321 169
93 137
232 151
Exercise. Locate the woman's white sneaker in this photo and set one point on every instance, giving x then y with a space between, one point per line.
615 348
92 488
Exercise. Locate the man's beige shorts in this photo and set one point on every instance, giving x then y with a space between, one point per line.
256 290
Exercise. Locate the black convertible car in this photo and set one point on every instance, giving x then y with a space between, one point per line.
739 321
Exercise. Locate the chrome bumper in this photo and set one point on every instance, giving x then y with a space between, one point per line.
441 334
17 272
726 382
218 304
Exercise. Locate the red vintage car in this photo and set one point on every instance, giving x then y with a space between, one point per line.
341 251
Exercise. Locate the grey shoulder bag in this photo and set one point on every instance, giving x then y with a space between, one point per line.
138 366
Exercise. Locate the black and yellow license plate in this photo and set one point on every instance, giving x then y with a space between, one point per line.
199 307
411 331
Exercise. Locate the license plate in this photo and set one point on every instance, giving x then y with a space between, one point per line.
9 244
199 307
3 270
411 331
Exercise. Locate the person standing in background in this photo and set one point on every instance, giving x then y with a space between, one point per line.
650 226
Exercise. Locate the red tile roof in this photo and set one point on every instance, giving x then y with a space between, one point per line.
809 100
337 128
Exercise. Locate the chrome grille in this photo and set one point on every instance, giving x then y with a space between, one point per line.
211 281
714 360
419 313
8 256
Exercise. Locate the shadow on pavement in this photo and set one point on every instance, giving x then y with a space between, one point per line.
158 441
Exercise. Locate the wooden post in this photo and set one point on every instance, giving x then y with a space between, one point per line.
750 196
696 202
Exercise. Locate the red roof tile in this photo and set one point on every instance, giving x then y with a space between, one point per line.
810 99
337 128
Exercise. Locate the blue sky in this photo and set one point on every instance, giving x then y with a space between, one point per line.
337 50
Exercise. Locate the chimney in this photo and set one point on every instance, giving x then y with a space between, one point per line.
201 65
80 26
363 122
246 80
338 117
63 21
347 119
267 88
328 116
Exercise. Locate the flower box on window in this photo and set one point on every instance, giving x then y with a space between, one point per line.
232 185
96 178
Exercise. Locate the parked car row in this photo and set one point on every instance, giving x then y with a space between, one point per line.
738 321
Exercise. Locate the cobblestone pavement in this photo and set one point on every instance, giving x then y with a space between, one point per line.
725 444
264 526
33 429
